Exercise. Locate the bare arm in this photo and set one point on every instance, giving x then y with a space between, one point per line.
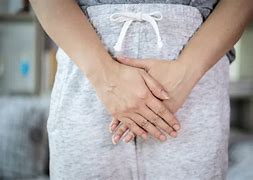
70 29
214 38
67 25
217 35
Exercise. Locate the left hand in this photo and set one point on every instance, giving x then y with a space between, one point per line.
175 76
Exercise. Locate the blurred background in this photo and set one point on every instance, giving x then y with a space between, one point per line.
27 69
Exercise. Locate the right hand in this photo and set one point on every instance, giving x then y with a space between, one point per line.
125 92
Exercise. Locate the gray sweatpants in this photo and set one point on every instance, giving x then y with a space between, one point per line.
80 143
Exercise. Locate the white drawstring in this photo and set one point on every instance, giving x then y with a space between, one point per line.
129 17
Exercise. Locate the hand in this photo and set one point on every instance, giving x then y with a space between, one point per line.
125 91
177 79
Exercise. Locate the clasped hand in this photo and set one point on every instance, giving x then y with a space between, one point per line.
172 76
143 95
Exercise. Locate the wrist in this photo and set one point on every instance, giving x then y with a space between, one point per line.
194 70
104 74
196 67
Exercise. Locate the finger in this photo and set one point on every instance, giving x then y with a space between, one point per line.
113 125
121 130
161 110
129 137
143 64
155 87
132 126
159 122
149 127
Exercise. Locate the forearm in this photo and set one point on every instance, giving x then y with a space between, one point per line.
217 35
66 24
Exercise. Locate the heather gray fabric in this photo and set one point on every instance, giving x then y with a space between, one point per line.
204 6
80 143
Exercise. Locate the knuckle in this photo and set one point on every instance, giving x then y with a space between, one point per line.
144 124
162 111
144 94
130 124
146 70
156 120
124 127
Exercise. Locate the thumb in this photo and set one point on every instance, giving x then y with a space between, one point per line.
134 62
155 87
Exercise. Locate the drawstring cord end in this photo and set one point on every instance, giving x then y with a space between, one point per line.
117 47
160 44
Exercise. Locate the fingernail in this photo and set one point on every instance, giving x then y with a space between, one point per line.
176 127
165 94
144 136
113 127
163 137
173 134
116 139
113 141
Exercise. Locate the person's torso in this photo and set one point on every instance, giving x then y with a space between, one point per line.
204 6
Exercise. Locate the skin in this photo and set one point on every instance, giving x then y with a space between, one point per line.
214 38
174 77
138 108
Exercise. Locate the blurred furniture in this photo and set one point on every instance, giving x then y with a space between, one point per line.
241 86
23 138
240 156
241 95
241 68
21 47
